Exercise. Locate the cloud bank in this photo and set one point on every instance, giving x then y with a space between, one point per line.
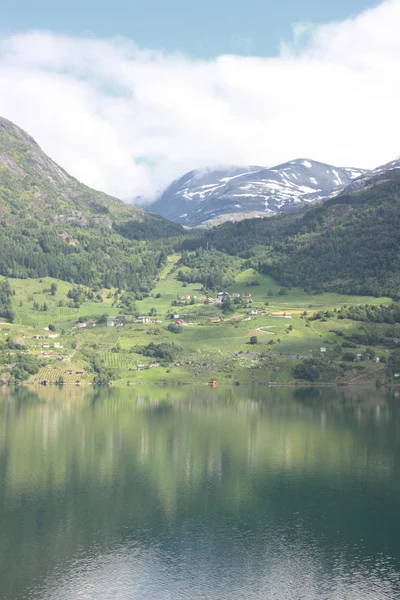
127 120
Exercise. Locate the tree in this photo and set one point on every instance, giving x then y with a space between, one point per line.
228 307
175 328
53 289
52 327
254 339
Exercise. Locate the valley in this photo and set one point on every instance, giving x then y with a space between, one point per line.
80 341
95 291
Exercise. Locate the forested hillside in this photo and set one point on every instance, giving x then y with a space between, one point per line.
350 243
53 225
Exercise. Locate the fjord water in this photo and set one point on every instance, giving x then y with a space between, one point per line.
270 494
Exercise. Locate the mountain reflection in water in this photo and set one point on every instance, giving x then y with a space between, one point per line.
195 493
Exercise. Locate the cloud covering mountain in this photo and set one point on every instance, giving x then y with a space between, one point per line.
129 121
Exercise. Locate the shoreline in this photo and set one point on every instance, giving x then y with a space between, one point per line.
162 383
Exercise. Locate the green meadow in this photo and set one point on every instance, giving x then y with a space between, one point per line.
206 350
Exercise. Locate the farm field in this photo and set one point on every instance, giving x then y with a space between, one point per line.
203 350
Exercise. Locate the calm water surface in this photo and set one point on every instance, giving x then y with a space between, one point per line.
269 494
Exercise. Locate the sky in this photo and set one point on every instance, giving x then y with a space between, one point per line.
197 29
127 96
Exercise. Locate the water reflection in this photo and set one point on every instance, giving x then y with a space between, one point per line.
197 493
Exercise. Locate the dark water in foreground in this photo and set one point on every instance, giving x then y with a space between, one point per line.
269 494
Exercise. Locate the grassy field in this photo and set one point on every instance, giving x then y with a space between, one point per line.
208 350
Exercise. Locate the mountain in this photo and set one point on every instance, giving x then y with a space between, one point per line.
350 243
51 224
372 177
210 197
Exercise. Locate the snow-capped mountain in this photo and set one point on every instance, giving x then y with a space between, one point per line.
370 176
209 197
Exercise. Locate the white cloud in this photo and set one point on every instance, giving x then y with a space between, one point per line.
128 121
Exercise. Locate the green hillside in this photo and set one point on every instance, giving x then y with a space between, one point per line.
350 243
52 225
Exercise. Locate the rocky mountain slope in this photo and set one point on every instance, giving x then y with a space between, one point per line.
210 197
32 185
371 177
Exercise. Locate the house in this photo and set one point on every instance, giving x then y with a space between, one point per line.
323 349
223 295
175 316
247 319
111 322
52 336
69 372
253 312
60 358
140 367
247 296
151 365
46 345
80 372
82 325
58 345
235 295
143 320
179 303
281 315
179 322
263 313
214 320
184 297
119 320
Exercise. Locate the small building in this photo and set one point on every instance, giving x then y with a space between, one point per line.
214 320
212 383
253 312
153 364
175 316
82 325
143 320
46 345
247 296
323 349
184 297
223 295
140 367
58 345
235 295
69 372
179 322
79 372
